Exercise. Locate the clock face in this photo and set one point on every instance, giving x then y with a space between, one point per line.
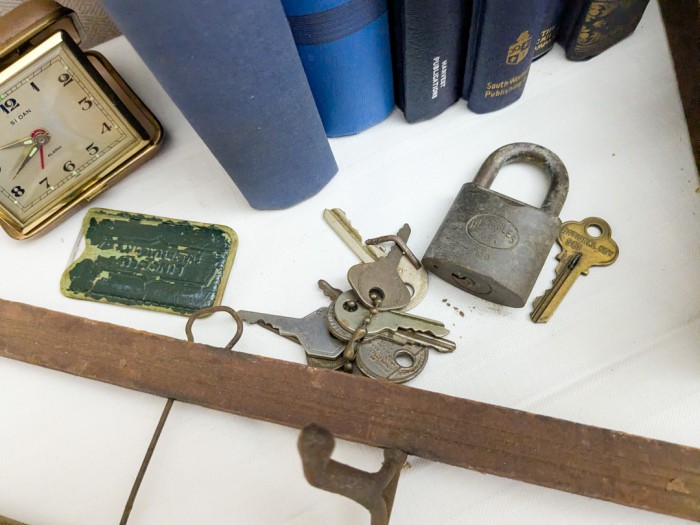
60 133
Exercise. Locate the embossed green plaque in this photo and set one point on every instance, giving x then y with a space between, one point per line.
156 263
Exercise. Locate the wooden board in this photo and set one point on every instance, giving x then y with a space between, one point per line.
614 466
682 22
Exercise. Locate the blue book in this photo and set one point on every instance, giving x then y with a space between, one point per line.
232 68
550 27
501 47
345 48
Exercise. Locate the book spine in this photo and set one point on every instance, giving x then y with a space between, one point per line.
475 23
593 26
345 48
502 41
573 10
226 68
429 42
550 27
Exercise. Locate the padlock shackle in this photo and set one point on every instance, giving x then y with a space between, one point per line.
534 154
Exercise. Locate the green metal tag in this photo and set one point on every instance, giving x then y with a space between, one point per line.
156 263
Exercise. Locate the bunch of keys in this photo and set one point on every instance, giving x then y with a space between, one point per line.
367 329
579 252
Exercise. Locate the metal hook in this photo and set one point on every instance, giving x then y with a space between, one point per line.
169 404
374 491
210 310
400 243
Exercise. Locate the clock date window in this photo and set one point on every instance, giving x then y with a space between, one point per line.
58 132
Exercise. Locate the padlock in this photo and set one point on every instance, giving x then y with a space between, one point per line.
492 245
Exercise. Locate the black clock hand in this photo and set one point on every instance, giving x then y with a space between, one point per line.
38 139
29 153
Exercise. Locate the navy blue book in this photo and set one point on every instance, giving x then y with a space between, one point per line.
429 45
550 27
501 47
346 51
232 68
590 27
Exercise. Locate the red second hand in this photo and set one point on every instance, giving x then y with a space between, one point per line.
41 148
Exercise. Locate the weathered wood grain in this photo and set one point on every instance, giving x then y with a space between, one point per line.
8 521
614 466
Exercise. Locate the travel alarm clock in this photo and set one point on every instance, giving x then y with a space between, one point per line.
70 127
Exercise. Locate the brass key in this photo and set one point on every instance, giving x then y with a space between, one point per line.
381 276
580 251
415 278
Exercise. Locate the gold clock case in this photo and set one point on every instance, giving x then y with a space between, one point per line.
25 28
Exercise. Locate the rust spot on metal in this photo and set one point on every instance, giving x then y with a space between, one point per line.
374 491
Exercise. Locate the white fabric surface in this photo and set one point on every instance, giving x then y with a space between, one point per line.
622 351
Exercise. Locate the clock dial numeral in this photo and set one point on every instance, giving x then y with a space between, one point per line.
67 122
9 105
65 79
85 103
17 191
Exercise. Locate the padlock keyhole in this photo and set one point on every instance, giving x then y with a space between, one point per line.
463 280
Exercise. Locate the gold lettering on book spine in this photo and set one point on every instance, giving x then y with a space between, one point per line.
598 31
546 38
498 89
519 49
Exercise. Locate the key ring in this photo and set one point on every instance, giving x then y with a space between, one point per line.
210 310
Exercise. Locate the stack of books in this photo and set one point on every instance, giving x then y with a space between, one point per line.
441 51
261 81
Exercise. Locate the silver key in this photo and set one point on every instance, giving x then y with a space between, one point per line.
310 332
330 364
409 337
328 290
336 329
401 336
382 277
350 313
415 278
381 358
